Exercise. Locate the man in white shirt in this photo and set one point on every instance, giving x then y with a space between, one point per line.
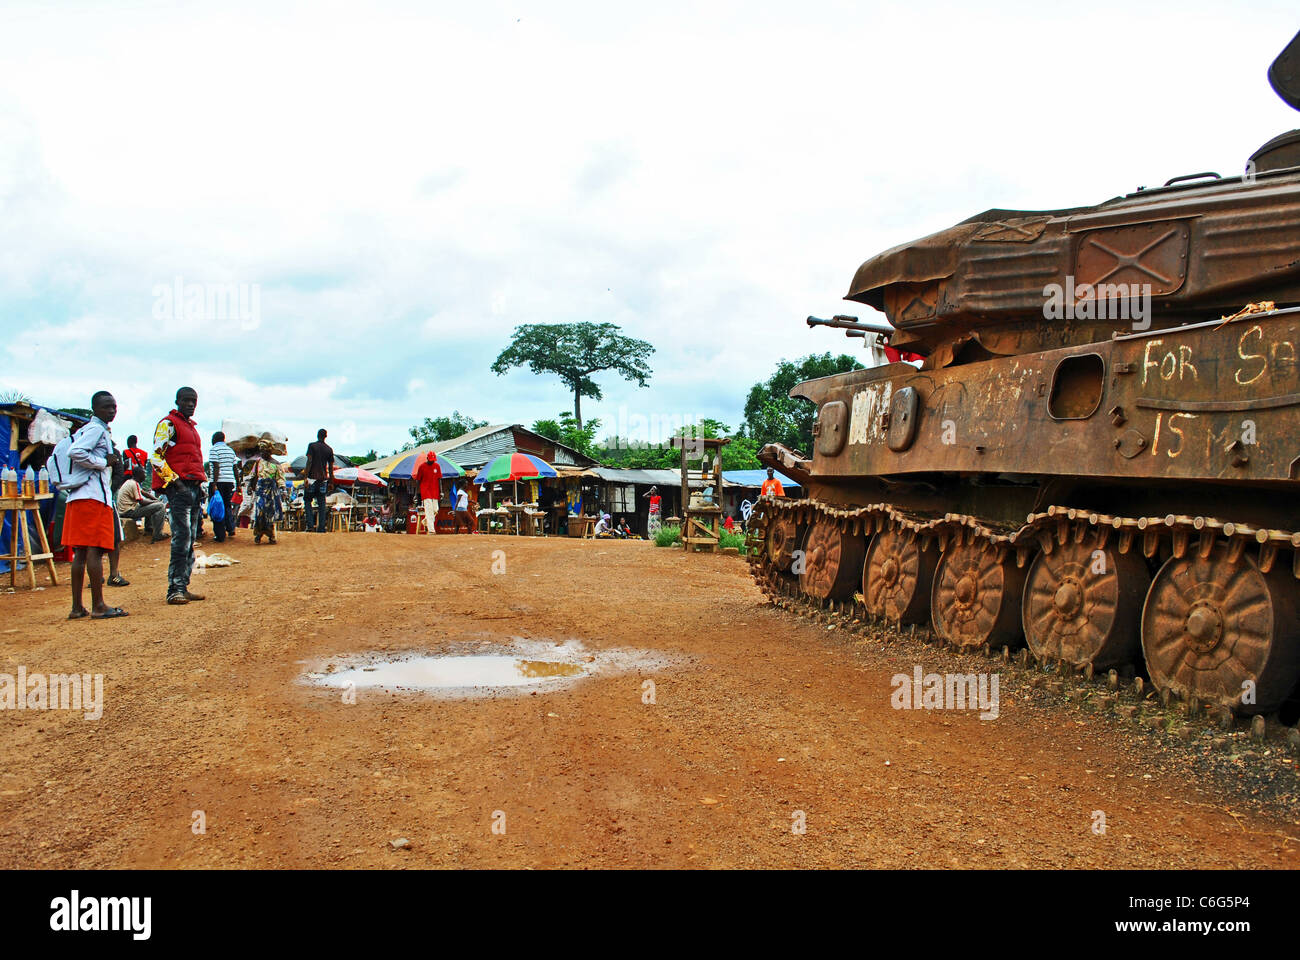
133 503
225 470
89 524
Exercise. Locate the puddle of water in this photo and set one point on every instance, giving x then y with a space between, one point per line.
447 673
488 667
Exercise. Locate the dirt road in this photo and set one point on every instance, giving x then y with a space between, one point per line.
763 722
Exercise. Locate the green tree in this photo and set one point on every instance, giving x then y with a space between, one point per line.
566 430
740 454
575 351
365 458
773 416
437 429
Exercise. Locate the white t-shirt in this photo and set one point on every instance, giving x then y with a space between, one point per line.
462 500
128 496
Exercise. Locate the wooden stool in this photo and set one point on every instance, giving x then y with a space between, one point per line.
17 511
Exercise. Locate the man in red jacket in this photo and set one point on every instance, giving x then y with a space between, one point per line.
178 462
429 477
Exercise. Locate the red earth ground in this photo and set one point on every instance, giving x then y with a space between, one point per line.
762 720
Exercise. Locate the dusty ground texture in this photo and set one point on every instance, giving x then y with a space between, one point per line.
763 717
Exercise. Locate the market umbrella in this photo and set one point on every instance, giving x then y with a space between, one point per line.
358 475
299 464
404 469
515 467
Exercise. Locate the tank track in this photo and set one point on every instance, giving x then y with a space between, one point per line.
1059 528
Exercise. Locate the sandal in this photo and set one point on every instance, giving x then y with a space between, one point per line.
118 581
112 612
79 614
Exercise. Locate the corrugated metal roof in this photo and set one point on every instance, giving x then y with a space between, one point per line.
754 478
474 449
644 477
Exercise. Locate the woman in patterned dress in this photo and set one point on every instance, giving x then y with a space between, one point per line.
268 486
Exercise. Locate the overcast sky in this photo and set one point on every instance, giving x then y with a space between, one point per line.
406 183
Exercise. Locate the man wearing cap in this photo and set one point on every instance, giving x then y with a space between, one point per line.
178 461
429 477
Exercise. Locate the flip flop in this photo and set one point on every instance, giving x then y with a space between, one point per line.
112 612
118 581
79 614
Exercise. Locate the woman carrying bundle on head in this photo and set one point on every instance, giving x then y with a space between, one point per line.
268 487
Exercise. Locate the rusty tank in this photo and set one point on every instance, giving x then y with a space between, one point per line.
1098 455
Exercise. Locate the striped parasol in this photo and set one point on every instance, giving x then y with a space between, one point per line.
405 467
514 466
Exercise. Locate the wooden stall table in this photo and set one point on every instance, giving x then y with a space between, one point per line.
581 526
534 523
518 510
17 509
485 517
340 519
702 529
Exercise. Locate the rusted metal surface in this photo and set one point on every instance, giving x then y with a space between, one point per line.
1221 628
1167 404
1083 600
832 561
1197 245
1101 450
898 574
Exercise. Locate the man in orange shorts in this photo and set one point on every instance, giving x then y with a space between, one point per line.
89 524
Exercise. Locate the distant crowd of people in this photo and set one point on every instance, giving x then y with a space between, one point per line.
99 486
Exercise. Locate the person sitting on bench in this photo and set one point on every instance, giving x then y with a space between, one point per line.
135 503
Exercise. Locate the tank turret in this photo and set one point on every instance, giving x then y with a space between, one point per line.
1015 281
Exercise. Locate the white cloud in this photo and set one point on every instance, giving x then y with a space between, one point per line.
408 182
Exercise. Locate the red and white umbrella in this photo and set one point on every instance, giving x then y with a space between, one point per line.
358 475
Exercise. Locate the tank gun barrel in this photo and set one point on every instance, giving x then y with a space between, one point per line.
851 324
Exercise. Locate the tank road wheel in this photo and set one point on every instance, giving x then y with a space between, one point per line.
975 598
1083 605
782 540
1210 624
832 561
898 574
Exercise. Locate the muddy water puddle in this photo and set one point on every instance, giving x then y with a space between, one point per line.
525 667
453 673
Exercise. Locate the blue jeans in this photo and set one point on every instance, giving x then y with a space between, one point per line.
185 511
316 489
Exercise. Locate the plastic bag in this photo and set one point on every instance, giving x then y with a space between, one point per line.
216 507
48 428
